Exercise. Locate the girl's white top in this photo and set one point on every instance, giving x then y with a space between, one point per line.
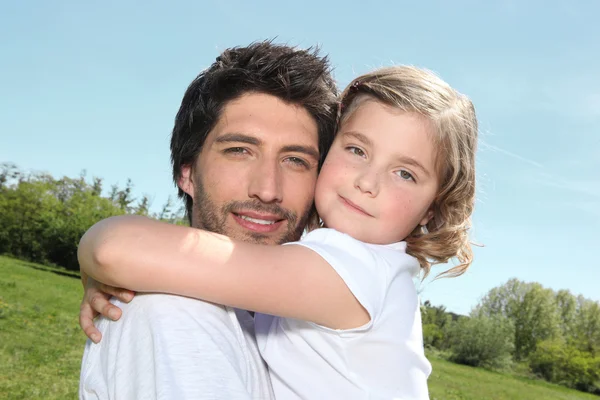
383 359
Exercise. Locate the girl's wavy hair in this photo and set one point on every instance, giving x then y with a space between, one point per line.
452 115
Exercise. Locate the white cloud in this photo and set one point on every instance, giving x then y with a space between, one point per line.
526 160
587 188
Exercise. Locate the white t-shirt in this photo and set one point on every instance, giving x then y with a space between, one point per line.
172 347
383 359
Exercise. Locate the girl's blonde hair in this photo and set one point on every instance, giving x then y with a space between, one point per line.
453 117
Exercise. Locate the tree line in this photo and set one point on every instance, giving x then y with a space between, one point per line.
42 218
523 327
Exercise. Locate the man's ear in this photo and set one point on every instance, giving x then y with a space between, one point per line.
185 181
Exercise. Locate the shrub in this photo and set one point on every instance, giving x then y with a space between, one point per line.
564 364
482 341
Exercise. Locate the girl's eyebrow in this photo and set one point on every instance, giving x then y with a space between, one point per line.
360 137
414 163
403 159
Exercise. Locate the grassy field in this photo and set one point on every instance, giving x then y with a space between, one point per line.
40 340
450 381
41 346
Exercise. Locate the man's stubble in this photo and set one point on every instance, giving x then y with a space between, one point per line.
208 216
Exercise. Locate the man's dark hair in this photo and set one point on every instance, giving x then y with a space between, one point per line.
298 77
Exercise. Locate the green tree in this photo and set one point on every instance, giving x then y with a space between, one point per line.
567 309
166 210
436 320
26 213
586 332
97 186
125 197
79 209
531 308
167 214
482 341
43 218
8 172
143 206
562 363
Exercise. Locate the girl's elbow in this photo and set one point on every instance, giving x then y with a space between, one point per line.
102 255
96 251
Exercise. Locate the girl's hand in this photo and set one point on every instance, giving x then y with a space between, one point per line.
96 302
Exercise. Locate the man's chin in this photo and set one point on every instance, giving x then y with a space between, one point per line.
237 232
257 238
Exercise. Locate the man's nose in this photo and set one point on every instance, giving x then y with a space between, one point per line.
266 182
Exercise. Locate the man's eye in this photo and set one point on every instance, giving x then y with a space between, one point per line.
297 161
235 151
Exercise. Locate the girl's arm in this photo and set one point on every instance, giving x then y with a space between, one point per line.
145 255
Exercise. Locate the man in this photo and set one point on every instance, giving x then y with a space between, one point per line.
249 138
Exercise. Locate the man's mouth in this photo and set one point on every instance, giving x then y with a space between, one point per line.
257 222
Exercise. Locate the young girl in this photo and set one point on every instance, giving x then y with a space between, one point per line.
337 312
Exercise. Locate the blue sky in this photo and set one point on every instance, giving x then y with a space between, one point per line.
96 85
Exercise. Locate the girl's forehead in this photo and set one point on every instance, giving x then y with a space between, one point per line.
391 134
373 117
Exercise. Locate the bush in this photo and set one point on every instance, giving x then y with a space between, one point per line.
564 364
43 219
432 336
482 341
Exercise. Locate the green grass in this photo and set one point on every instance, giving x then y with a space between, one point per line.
41 346
40 340
450 381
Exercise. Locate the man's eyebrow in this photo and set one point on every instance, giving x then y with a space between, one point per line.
360 137
238 138
296 148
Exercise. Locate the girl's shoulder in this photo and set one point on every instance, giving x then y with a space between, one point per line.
338 243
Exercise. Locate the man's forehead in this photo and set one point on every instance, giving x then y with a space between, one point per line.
267 119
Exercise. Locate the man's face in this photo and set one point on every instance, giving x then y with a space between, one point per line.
254 179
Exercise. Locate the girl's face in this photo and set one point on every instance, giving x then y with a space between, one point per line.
379 178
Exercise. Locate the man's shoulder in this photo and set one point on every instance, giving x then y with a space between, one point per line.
173 311
174 323
167 302
175 345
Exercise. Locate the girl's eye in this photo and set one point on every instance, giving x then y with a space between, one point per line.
404 174
356 151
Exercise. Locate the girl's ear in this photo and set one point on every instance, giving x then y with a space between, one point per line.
185 181
428 216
